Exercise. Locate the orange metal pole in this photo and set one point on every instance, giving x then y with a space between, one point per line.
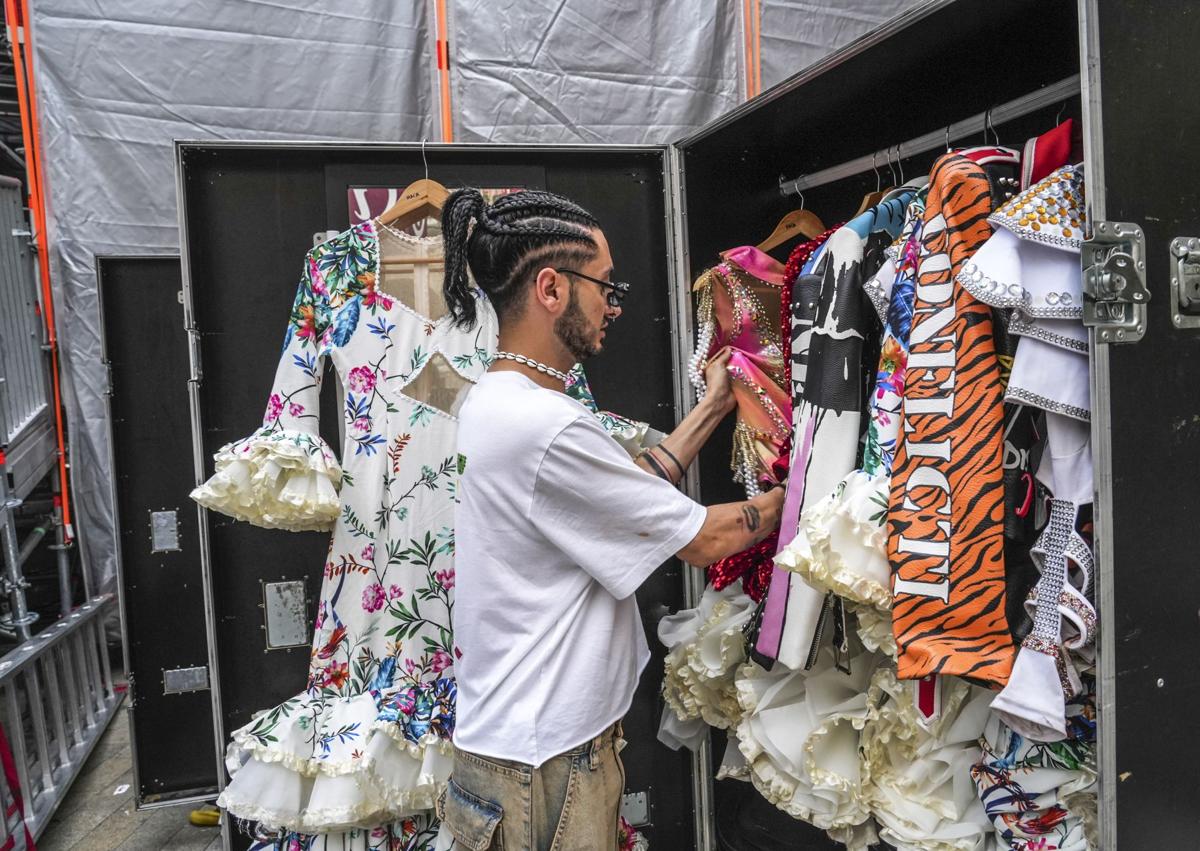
443 63
748 48
757 46
17 17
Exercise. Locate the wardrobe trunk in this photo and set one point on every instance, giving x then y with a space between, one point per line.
248 212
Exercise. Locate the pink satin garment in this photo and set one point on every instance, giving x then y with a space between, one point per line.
746 326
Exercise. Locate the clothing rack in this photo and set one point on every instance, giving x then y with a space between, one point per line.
1035 100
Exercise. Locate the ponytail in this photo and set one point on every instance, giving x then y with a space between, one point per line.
504 243
463 207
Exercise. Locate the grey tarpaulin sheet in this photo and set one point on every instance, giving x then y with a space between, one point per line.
119 80
582 71
796 34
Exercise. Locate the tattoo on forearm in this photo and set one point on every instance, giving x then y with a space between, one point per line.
753 520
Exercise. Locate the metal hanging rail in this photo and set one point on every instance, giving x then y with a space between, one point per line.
1039 99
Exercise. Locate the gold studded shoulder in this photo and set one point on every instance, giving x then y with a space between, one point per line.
1051 211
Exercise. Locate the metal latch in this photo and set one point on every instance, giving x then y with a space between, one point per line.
285 614
635 808
184 680
1185 282
1114 282
164 531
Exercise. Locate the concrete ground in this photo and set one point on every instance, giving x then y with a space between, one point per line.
96 816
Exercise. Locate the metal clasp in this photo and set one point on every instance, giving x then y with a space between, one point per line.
1185 282
1114 282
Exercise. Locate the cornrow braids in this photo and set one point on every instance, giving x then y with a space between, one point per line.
501 245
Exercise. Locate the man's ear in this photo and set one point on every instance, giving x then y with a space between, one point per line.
552 290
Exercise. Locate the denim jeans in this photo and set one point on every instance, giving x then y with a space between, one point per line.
569 803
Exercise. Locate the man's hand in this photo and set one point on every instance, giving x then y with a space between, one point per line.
720 386
676 453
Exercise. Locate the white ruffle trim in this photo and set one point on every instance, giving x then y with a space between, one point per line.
919 790
841 543
370 777
707 646
875 630
857 837
277 479
800 737
282 799
636 437
840 750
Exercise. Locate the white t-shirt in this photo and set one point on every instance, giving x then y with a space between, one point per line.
555 530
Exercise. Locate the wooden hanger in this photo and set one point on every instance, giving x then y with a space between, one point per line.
800 222
420 200
871 199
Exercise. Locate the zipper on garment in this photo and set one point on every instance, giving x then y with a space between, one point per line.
819 633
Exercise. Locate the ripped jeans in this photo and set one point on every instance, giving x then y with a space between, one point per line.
569 803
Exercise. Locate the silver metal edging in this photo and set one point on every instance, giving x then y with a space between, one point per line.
1101 390
116 530
179 802
210 626
451 147
1031 102
682 334
859 45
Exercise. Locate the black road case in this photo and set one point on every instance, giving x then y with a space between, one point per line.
162 591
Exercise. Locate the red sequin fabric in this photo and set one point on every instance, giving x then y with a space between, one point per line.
753 566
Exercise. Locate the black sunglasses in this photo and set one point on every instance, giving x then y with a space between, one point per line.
617 289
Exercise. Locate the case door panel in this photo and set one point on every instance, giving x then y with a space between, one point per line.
1147 422
162 595
250 213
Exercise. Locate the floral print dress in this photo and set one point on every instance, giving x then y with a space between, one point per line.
367 742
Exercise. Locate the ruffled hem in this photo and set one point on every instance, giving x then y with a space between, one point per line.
699 670
858 837
372 768
277 479
409 779
875 630
807 763
915 791
841 543
414 749
281 799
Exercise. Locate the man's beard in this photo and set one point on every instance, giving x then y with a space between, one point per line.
574 333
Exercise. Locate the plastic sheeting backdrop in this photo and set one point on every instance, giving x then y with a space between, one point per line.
119 80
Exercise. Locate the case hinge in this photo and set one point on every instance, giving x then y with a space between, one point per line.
193 336
1114 282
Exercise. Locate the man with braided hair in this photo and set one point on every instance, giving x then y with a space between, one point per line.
556 528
